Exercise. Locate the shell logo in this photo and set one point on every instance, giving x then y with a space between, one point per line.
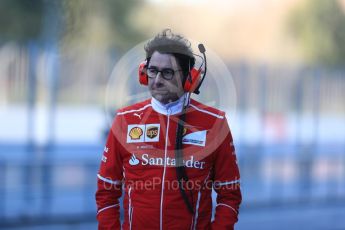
135 133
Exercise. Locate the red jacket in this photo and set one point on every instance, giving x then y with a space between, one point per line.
139 159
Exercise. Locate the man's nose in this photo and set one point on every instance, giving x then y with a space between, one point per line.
159 78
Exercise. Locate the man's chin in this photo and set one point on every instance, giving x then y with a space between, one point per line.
161 98
164 98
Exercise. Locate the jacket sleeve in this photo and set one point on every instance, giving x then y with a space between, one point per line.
109 181
226 183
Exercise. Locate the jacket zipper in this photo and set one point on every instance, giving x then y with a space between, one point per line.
163 178
130 208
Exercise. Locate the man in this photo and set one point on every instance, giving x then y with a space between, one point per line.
168 152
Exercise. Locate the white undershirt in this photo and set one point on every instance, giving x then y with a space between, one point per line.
171 107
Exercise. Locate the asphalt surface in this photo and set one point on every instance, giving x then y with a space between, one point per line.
313 217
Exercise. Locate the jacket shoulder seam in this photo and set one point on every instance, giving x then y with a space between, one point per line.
207 112
134 110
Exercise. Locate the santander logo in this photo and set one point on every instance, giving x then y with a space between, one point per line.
133 160
147 160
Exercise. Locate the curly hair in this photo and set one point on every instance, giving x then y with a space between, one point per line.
167 42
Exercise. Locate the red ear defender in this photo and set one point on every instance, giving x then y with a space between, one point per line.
192 81
143 79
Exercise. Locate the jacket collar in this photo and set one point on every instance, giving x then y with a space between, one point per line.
172 107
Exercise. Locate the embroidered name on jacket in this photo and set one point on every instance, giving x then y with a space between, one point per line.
143 133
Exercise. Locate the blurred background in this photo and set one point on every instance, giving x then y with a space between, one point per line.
287 61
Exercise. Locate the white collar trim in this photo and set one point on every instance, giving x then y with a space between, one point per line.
172 107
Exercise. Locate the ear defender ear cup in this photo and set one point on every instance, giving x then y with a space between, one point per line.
192 81
143 79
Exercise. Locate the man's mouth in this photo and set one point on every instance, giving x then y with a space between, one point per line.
160 91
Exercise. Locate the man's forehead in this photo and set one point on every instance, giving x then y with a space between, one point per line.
162 59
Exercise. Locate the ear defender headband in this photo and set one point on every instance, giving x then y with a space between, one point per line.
190 83
193 81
